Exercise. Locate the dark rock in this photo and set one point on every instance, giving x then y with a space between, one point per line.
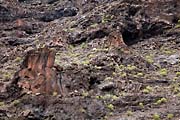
40 1
15 41
90 35
51 1
5 14
63 12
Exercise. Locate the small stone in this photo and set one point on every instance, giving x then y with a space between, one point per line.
26 113
3 86
75 91
106 85
37 94
173 59
29 92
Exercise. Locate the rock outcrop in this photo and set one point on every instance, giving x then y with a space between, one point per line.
37 73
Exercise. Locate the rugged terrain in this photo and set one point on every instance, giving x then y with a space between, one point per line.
120 58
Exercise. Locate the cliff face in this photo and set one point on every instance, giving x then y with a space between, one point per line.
120 59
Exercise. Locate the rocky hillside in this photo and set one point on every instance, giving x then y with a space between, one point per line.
120 59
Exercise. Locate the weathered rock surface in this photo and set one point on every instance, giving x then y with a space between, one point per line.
130 44
37 73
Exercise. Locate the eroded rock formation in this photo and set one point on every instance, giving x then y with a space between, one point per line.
38 74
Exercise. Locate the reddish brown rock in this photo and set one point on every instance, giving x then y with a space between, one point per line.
115 39
38 74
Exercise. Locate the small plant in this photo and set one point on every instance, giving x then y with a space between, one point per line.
1 103
149 58
141 105
108 79
7 75
108 96
114 97
94 25
160 101
84 45
122 74
74 54
15 102
178 24
129 113
71 47
110 106
91 56
147 90
98 67
170 116
175 78
131 67
168 52
156 117
175 88
55 93
97 97
140 74
100 50
85 94
18 59
114 73
178 74
121 66
86 62
106 18
163 72
111 113
178 95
